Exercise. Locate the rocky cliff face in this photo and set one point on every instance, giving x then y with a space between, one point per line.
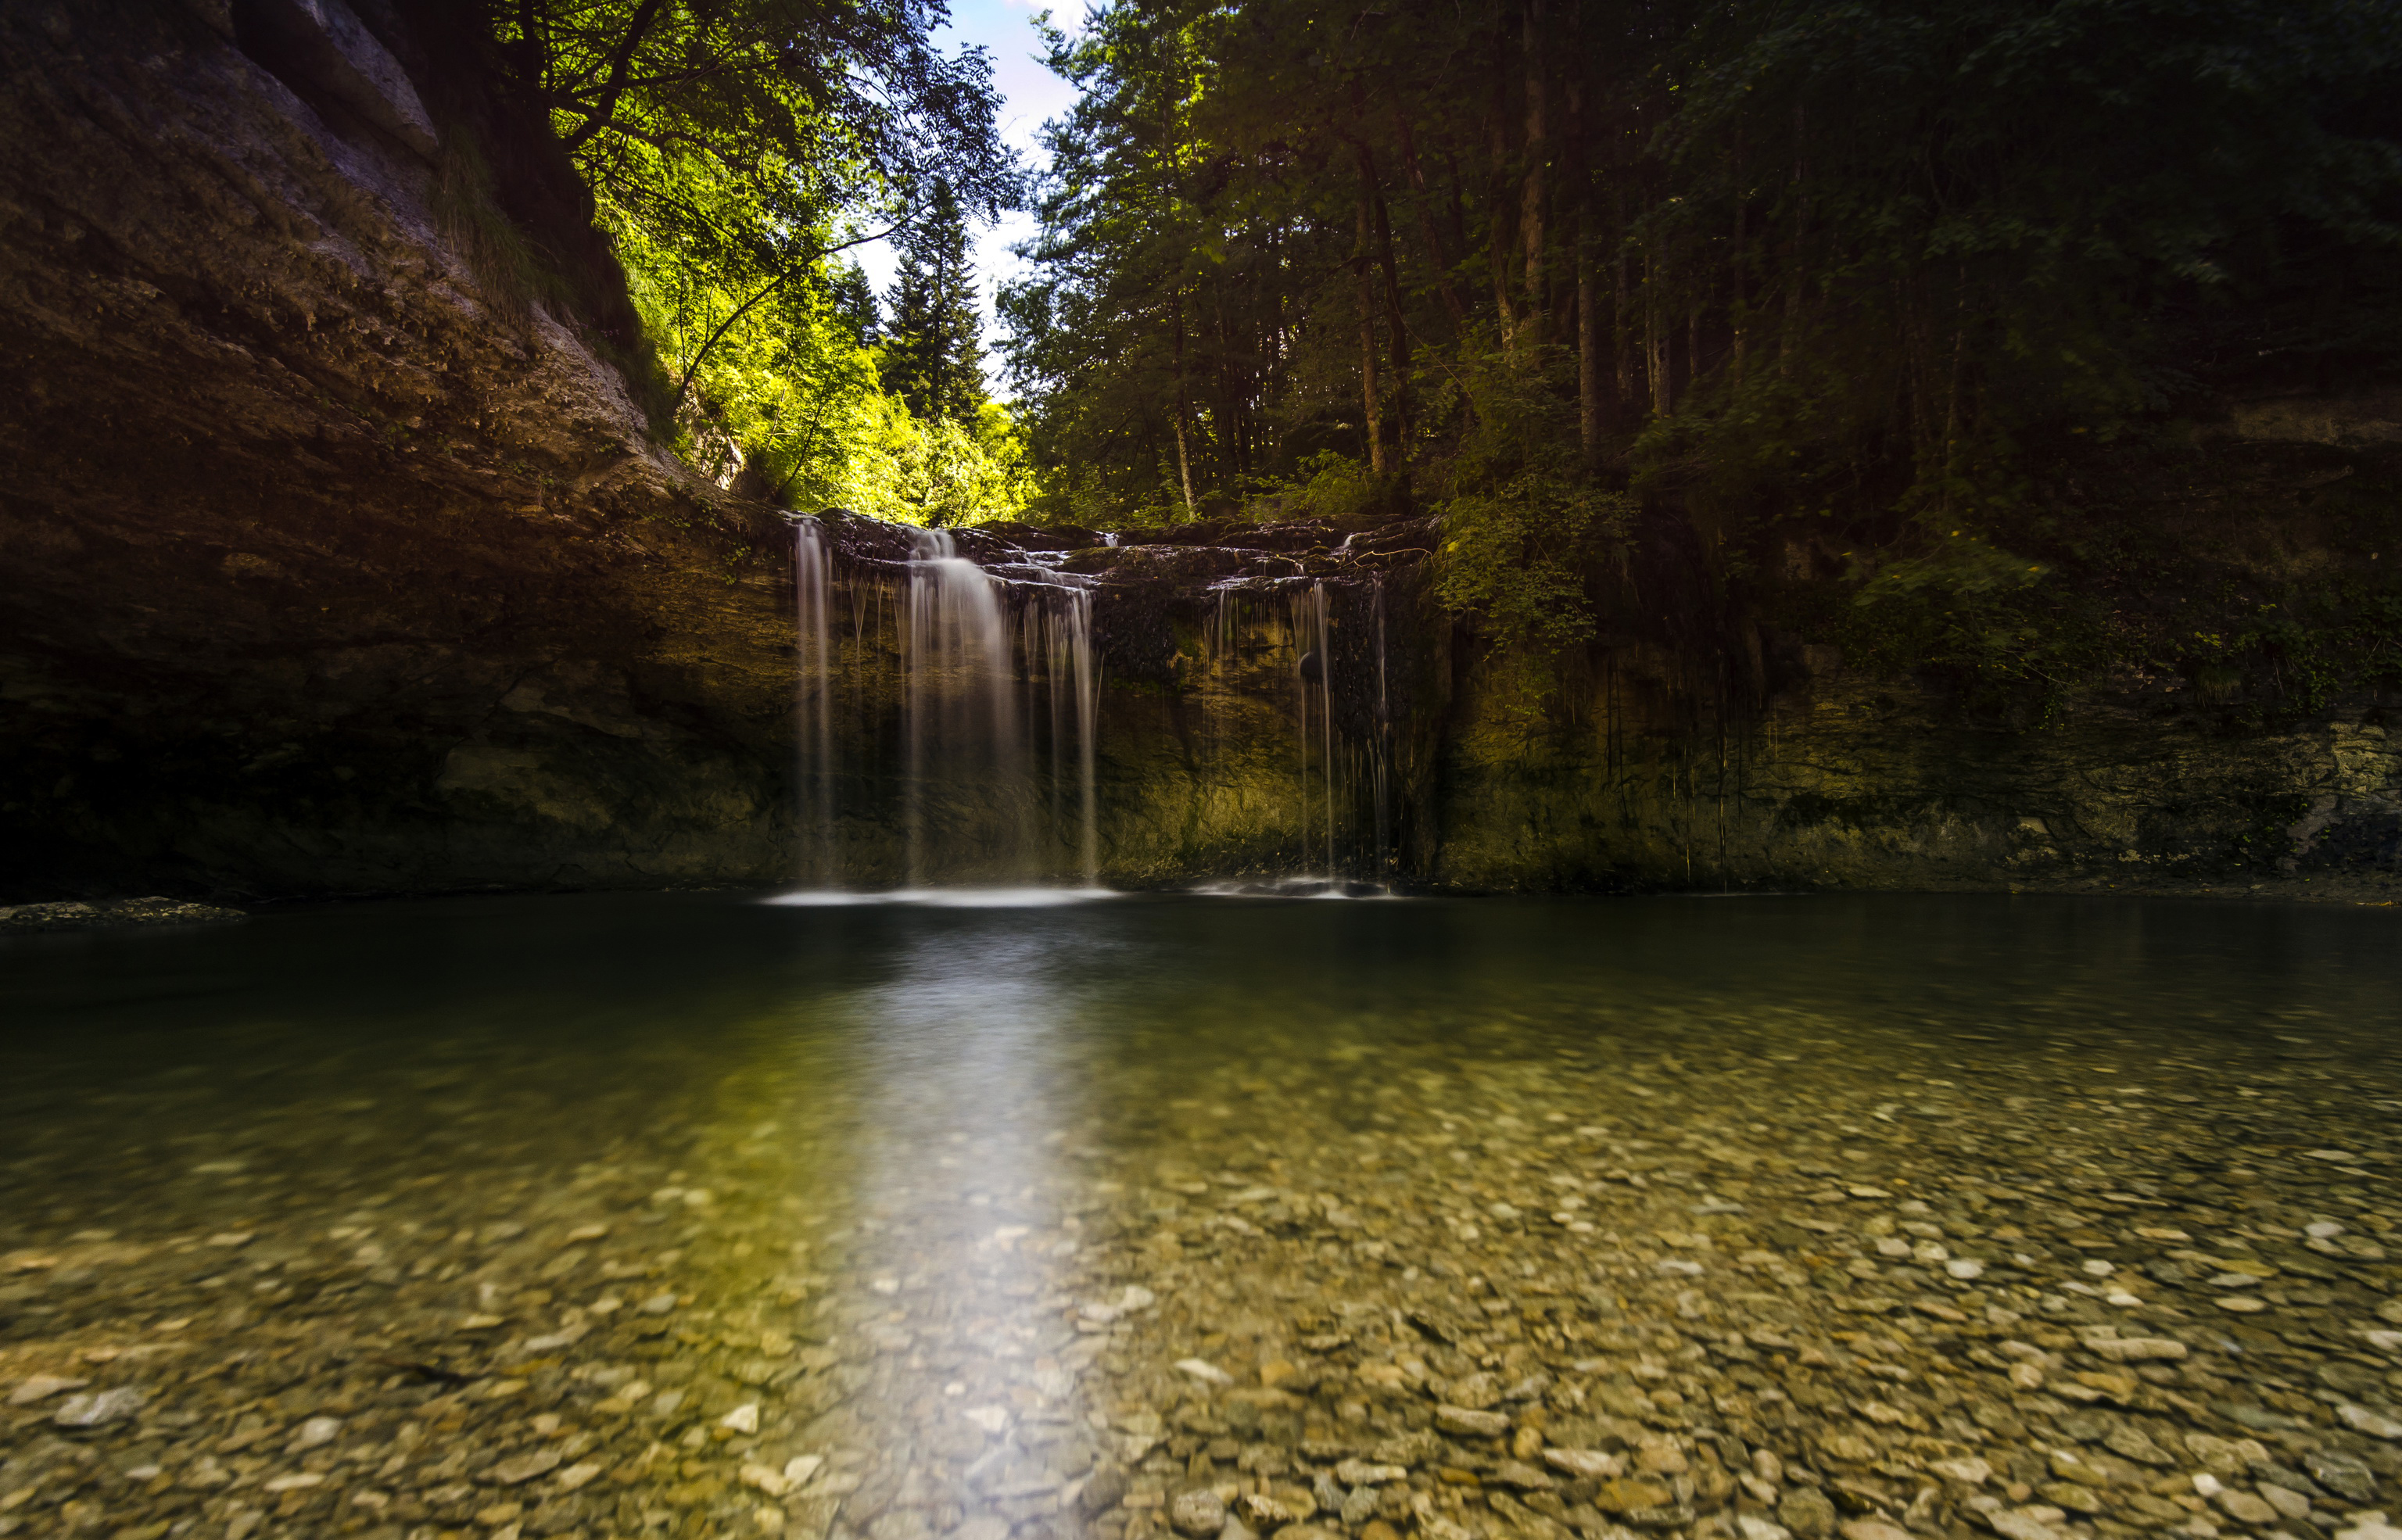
337 566
329 569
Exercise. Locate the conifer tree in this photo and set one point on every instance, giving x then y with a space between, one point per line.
851 300
933 354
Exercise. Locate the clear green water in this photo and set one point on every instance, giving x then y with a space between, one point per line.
869 1167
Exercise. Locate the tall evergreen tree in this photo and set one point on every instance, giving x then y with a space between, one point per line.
851 300
933 352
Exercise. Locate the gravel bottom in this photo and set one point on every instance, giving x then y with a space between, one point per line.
1720 1270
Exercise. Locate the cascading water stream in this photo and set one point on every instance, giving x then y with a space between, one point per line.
1065 627
1341 839
981 663
960 718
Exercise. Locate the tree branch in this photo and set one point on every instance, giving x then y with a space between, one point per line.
750 304
645 16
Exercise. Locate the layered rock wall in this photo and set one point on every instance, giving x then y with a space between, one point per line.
329 570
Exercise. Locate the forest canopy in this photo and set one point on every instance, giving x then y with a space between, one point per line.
736 150
1844 286
1537 263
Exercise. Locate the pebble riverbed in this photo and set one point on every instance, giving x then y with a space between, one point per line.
623 1217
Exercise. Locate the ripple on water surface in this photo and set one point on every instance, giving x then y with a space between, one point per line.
697 1216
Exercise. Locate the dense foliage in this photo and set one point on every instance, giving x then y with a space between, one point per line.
734 148
1845 279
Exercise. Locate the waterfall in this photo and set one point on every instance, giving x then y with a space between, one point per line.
1341 840
968 764
966 671
1312 639
813 639
1061 633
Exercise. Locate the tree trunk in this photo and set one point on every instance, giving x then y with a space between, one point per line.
1367 292
1436 256
1535 178
1588 305
1736 311
1621 316
1791 338
1578 245
1183 455
1499 240
1396 326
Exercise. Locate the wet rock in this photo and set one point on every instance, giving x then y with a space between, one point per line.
37 1387
2025 1524
1807 1513
1628 1494
520 1468
1105 1490
1409 1450
2375 1424
1197 1514
1585 1463
1261 1513
2245 1507
98 1409
2341 1474
122 912
1470 1422
313 1433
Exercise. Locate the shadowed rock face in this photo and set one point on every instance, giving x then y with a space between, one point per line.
331 569
324 574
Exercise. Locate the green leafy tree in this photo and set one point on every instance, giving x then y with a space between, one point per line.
734 148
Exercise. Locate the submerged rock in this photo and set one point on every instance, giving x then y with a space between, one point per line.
106 915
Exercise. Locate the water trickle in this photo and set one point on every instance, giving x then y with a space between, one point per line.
813 640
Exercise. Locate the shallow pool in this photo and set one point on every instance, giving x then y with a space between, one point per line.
692 1215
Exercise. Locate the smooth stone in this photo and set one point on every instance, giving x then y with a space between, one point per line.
1103 1490
37 1387
1467 1422
2376 1425
1585 1463
2245 1507
2019 1524
97 1408
314 1432
2343 1474
520 1468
